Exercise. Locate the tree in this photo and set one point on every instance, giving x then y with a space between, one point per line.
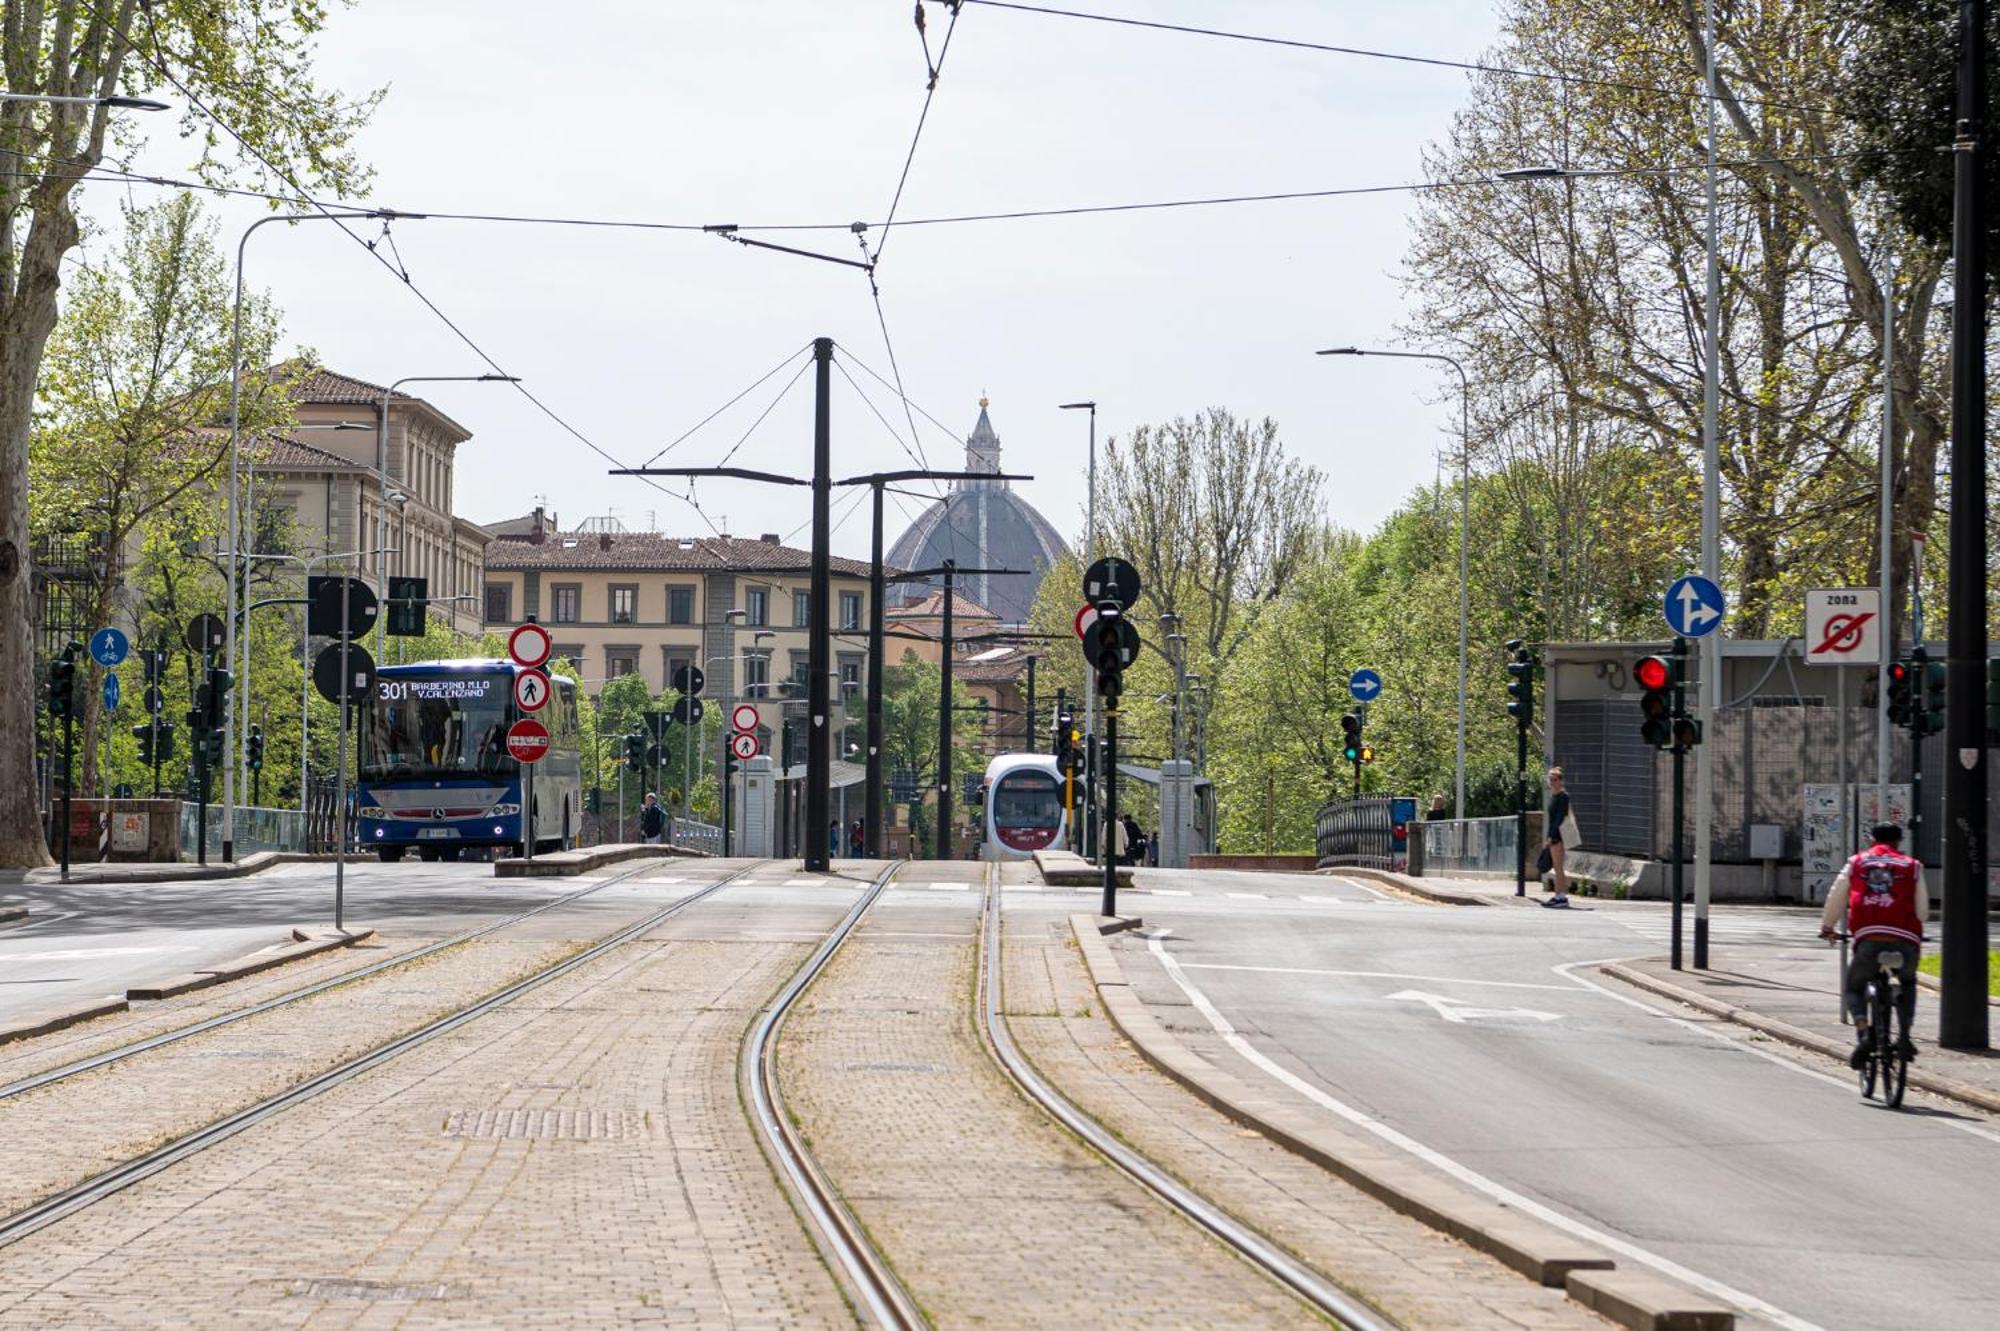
250 61
910 697
136 375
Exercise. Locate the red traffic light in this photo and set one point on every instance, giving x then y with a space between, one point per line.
1899 671
1652 672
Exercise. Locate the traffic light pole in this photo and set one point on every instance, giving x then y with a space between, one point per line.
1520 811
1109 839
1680 831
69 775
819 642
944 720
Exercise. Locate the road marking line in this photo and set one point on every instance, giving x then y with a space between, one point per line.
1499 1192
1735 1041
802 882
1248 896
1020 887
90 953
1332 901
1370 975
1163 891
1372 891
37 921
948 887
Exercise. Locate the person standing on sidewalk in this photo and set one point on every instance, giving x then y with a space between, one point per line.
1558 823
1881 896
652 820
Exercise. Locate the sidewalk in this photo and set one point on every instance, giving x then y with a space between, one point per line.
1793 994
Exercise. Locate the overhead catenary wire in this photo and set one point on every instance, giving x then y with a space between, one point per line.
761 379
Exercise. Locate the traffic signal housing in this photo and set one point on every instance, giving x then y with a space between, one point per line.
1350 727
254 747
409 601
215 700
144 734
1932 717
62 686
1902 679
635 752
1655 675
1521 684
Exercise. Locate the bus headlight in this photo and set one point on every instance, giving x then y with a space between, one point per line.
504 811
372 811
379 831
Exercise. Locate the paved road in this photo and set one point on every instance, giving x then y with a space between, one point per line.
83 941
1478 1034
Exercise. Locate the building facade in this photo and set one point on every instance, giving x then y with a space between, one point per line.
619 603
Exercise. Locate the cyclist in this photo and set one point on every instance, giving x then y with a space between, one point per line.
1881 896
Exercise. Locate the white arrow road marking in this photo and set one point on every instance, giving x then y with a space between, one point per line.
1472 1178
1453 1010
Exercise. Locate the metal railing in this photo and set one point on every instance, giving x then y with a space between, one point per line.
256 829
1355 832
1469 845
698 836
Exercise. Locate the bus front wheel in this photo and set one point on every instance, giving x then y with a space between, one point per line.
389 854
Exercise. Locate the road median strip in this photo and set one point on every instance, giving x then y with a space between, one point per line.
43 1024
302 945
1543 1253
1948 1087
1063 868
569 863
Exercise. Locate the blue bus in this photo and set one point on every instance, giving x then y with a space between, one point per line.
435 774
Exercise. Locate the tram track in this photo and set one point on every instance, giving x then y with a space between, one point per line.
1327 1298
840 1235
132 1049
60 1205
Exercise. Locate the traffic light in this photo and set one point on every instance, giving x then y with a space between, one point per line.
1935 674
255 746
215 704
1367 753
1655 675
153 750
1350 727
211 746
154 662
1902 677
144 734
165 750
594 800
409 601
1106 649
62 686
1992 698
635 752
1521 684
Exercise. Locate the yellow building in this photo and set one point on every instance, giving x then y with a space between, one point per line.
622 602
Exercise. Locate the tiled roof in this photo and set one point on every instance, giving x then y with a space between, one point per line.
1002 671
932 607
325 387
283 454
649 551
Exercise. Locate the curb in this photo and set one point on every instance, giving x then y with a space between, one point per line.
569 863
1633 1298
113 871
303 945
55 1021
1402 882
12 915
1062 868
1949 1088
1930 982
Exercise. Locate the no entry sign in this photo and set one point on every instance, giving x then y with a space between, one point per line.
528 741
744 717
529 645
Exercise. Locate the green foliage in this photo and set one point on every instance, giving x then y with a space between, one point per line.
910 694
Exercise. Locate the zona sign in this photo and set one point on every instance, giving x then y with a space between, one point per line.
528 741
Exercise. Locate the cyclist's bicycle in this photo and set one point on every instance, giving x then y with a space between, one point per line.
1883 1058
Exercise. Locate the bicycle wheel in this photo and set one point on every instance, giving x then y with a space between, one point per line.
1895 1066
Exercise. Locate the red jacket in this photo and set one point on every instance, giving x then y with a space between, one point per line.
1883 887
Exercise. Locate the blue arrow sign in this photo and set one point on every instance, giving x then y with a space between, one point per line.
1364 684
111 691
108 647
1694 606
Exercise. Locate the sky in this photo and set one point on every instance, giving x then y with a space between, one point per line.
802 111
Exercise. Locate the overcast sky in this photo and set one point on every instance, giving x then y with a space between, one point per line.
801 111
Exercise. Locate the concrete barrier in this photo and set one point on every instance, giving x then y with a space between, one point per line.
569 863
1256 863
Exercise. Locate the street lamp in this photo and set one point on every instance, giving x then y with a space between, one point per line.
114 102
1464 511
382 499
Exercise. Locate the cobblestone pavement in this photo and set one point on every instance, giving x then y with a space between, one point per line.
577 1158
1418 1276
990 1213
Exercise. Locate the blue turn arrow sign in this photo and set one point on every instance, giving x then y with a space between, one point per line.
1364 684
1694 606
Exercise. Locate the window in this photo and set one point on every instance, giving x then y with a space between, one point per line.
624 604
802 609
757 606
499 603
675 664
756 668
571 653
801 672
680 605
850 610
850 672
566 603
620 661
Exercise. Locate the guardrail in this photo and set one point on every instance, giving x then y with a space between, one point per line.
1469 845
698 836
256 829
1355 832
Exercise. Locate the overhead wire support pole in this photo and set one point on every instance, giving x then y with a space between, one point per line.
1710 693
819 741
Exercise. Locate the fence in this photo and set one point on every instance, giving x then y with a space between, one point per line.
256 829
698 836
1470 845
1354 832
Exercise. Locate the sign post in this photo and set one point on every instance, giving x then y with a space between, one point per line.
1111 643
1694 607
528 740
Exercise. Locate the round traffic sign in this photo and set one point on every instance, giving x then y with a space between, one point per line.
744 717
155 700
1694 606
530 645
360 672
1085 617
688 711
1111 579
108 647
531 690
655 755
528 740
743 744
1364 684
688 680
204 633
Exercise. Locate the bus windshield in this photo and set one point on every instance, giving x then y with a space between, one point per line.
1026 799
449 724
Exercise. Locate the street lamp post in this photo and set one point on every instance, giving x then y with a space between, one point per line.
233 733
1464 535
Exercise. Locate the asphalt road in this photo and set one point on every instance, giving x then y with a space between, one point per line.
1479 1036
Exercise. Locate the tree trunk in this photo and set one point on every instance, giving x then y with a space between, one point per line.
27 317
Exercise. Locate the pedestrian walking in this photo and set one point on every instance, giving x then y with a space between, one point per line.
856 841
1134 849
652 820
833 838
1561 836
